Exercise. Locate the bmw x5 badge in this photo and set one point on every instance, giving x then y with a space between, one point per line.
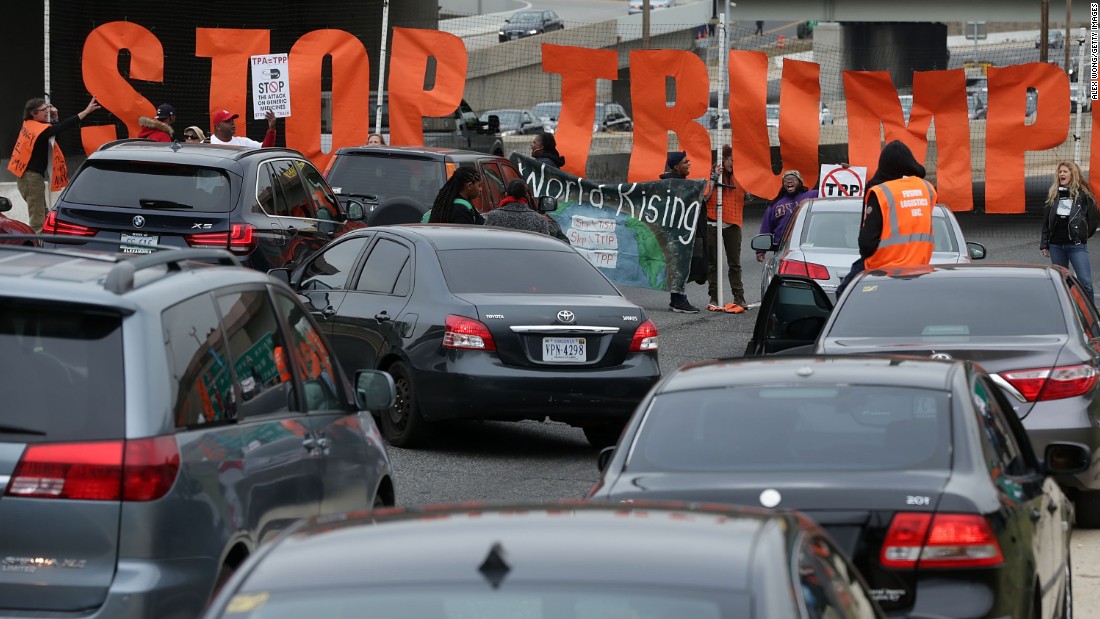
566 317
139 221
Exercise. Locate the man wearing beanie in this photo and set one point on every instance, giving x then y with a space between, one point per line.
779 213
158 129
678 167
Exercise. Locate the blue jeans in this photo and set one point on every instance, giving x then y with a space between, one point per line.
1078 255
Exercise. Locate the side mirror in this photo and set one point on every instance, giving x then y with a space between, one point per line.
604 458
355 210
976 250
548 204
5 204
1064 458
374 390
282 274
762 242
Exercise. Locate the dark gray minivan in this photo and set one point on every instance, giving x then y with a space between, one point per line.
161 419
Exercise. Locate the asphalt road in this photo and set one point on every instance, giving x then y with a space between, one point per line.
502 462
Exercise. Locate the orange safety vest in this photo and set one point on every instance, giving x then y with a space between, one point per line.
906 205
733 205
21 155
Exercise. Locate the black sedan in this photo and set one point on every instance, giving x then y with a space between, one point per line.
1033 326
917 468
482 323
551 561
529 23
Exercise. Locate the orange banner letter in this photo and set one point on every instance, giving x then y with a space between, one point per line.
409 102
100 68
579 68
653 118
229 50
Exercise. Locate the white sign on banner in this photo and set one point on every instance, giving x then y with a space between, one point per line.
270 85
838 181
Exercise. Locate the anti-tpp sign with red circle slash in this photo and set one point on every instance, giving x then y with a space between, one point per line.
842 182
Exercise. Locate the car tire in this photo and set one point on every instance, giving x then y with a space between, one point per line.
603 433
402 423
1067 592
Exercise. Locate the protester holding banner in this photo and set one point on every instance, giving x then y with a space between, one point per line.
733 206
158 129
678 168
454 202
779 213
899 195
225 130
544 148
28 160
1069 220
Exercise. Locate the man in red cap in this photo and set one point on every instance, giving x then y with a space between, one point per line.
225 128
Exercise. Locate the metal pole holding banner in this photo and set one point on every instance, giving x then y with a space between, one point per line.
382 67
1082 87
723 87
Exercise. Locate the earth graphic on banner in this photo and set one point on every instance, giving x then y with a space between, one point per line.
640 260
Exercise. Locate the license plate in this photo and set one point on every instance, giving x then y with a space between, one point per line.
138 243
564 349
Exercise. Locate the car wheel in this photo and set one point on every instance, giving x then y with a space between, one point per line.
1067 592
603 433
1087 508
402 423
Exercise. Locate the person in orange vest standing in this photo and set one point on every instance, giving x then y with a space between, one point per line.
29 159
897 215
733 206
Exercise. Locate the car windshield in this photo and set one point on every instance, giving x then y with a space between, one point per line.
61 372
548 110
950 309
522 271
553 601
785 428
508 118
388 177
527 17
146 185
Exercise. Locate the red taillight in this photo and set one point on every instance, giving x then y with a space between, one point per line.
805 269
940 540
136 470
645 338
1053 383
52 226
241 239
466 333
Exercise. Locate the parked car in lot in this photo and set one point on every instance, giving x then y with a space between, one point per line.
528 23
822 242
515 121
636 5
268 206
398 184
461 130
1046 347
569 561
609 117
771 112
10 226
163 418
917 468
482 323
1055 39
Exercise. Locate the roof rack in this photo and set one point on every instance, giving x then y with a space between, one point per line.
249 152
120 279
115 143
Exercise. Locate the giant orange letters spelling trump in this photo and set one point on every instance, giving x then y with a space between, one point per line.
350 88
579 67
99 64
409 102
1008 136
653 118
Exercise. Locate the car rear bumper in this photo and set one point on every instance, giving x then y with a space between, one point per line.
479 386
145 588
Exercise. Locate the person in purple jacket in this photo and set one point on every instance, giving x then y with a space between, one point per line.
780 211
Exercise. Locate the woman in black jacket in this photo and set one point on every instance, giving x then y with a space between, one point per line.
454 202
1069 220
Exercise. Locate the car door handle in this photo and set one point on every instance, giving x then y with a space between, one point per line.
328 311
291 230
382 317
1036 514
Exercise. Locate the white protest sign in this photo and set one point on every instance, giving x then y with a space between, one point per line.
838 181
270 85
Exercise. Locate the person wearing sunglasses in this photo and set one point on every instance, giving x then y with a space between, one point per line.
32 154
193 135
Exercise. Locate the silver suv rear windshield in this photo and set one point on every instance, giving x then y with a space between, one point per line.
61 372
147 185
791 428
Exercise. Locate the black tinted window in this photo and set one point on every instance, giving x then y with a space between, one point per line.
291 195
1002 451
329 270
387 177
257 352
315 365
383 265
521 271
948 309
202 385
327 208
795 429
61 372
140 185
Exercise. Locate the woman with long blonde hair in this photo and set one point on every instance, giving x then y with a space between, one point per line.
1069 219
